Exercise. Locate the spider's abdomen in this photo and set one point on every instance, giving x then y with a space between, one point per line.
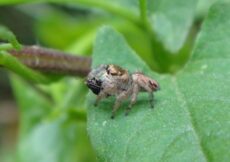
145 83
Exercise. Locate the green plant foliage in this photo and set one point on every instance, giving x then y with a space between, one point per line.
50 132
190 121
7 35
171 21
11 63
34 106
47 113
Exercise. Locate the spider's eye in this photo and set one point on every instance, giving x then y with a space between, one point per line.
107 70
98 82
94 85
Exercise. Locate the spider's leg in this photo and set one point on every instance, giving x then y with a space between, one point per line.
151 98
122 96
100 96
133 100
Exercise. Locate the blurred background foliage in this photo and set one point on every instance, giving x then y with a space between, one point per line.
55 129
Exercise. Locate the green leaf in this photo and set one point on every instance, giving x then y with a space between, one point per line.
10 62
81 30
203 7
7 35
190 121
124 8
33 106
6 2
56 141
171 21
47 132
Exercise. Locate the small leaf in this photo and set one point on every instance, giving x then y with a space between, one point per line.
7 35
10 62
171 21
190 121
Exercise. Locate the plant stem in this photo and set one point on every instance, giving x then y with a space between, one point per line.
78 114
143 11
53 61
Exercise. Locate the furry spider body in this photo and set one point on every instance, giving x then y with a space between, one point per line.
108 80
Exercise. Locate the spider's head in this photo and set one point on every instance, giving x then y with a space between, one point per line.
94 84
94 81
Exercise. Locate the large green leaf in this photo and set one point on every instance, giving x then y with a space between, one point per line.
190 121
204 5
171 21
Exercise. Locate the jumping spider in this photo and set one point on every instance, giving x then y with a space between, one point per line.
108 80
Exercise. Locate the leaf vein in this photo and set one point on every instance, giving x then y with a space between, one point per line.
181 98
173 142
133 135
